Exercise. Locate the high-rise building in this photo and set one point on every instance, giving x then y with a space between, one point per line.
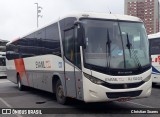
147 10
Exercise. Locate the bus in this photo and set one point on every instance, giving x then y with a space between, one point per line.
75 57
3 58
3 64
154 42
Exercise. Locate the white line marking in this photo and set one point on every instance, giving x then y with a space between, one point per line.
140 104
9 106
4 81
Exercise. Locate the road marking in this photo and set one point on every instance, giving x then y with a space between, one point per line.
9 106
4 81
140 104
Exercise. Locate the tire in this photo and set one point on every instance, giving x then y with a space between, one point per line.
153 83
20 86
60 93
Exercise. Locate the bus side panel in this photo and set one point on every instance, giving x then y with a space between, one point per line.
155 68
40 71
30 78
70 80
25 79
79 84
11 71
155 78
74 82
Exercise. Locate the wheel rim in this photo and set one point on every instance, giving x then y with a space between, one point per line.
60 92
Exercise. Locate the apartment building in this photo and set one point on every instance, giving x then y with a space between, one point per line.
147 10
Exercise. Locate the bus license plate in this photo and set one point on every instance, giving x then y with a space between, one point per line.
123 99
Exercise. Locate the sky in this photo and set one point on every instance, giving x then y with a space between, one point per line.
18 17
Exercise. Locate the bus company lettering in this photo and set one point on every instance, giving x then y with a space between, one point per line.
135 78
123 79
111 79
43 64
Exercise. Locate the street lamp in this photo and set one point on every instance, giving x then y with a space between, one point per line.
39 9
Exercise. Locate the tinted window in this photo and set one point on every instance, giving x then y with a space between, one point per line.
77 51
40 34
69 45
52 42
52 32
12 51
154 46
26 44
65 24
67 37
41 42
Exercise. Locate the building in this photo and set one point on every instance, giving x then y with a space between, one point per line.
147 10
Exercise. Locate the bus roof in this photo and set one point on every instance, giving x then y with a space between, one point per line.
152 36
102 16
89 15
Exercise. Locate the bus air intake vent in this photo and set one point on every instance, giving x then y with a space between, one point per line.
122 86
123 94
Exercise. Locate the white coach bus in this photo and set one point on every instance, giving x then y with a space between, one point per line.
92 57
154 41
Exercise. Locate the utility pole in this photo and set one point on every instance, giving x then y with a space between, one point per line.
39 9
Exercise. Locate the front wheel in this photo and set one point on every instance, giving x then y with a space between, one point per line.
60 93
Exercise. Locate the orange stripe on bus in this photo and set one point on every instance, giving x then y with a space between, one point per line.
20 68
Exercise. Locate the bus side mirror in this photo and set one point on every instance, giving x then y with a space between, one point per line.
80 34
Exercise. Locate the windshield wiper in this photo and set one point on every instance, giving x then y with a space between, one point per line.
108 43
108 49
129 46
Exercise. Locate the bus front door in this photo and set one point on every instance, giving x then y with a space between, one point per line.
70 79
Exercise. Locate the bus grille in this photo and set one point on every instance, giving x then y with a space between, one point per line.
123 86
123 94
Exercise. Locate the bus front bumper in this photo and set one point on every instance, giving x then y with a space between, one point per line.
99 93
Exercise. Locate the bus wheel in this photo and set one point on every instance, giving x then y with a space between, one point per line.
20 86
60 93
153 83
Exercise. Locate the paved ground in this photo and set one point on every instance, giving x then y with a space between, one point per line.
11 97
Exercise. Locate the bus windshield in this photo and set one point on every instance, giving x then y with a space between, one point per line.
115 44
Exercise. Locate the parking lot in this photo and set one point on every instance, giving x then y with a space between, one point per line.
11 97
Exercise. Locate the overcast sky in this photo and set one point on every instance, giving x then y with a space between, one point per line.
18 17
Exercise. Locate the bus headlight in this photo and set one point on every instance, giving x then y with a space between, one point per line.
147 78
93 79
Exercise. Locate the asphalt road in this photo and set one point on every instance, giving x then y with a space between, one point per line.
11 97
